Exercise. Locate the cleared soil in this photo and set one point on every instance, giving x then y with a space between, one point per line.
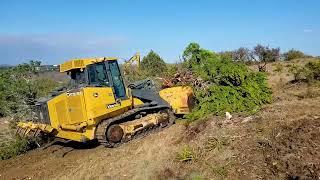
282 141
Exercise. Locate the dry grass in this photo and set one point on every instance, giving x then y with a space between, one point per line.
257 147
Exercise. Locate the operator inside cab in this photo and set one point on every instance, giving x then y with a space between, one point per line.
102 74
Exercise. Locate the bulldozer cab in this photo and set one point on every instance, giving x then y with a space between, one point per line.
104 73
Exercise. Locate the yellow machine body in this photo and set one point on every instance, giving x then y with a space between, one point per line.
180 98
76 113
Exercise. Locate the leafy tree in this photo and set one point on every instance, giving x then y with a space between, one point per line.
153 64
242 55
265 53
293 54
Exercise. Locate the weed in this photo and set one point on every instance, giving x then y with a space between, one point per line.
186 154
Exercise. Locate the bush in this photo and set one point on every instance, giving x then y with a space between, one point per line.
43 86
11 146
313 70
293 54
299 73
233 86
19 87
309 73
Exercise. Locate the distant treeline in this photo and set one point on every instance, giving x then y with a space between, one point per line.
38 67
260 53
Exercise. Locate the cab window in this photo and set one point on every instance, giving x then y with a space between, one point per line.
118 84
98 75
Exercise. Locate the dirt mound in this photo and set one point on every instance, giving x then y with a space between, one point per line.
293 150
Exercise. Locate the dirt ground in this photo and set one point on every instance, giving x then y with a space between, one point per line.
282 141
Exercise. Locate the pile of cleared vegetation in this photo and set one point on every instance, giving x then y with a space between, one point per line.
231 86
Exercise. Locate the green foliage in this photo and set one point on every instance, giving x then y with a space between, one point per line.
43 86
293 54
172 69
313 70
265 53
226 55
186 154
20 86
310 72
299 73
13 147
153 64
233 86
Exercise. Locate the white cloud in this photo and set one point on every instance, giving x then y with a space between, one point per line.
307 30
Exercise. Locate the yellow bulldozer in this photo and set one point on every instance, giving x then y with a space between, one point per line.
99 106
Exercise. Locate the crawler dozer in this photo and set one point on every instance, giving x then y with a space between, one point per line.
99 106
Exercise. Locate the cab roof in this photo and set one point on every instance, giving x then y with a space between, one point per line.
82 63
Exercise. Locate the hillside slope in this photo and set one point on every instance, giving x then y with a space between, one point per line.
281 141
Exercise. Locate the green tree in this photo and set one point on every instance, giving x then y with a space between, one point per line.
153 64
265 53
293 54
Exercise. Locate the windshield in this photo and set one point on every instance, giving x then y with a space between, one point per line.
98 74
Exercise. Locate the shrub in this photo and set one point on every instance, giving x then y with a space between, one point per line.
226 55
19 87
12 146
310 72
313 70
233 86
299 73
43 86
293 54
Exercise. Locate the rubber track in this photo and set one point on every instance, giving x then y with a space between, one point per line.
103 126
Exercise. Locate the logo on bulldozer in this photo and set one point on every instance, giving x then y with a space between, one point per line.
113 105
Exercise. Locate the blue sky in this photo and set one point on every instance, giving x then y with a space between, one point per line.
57 30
